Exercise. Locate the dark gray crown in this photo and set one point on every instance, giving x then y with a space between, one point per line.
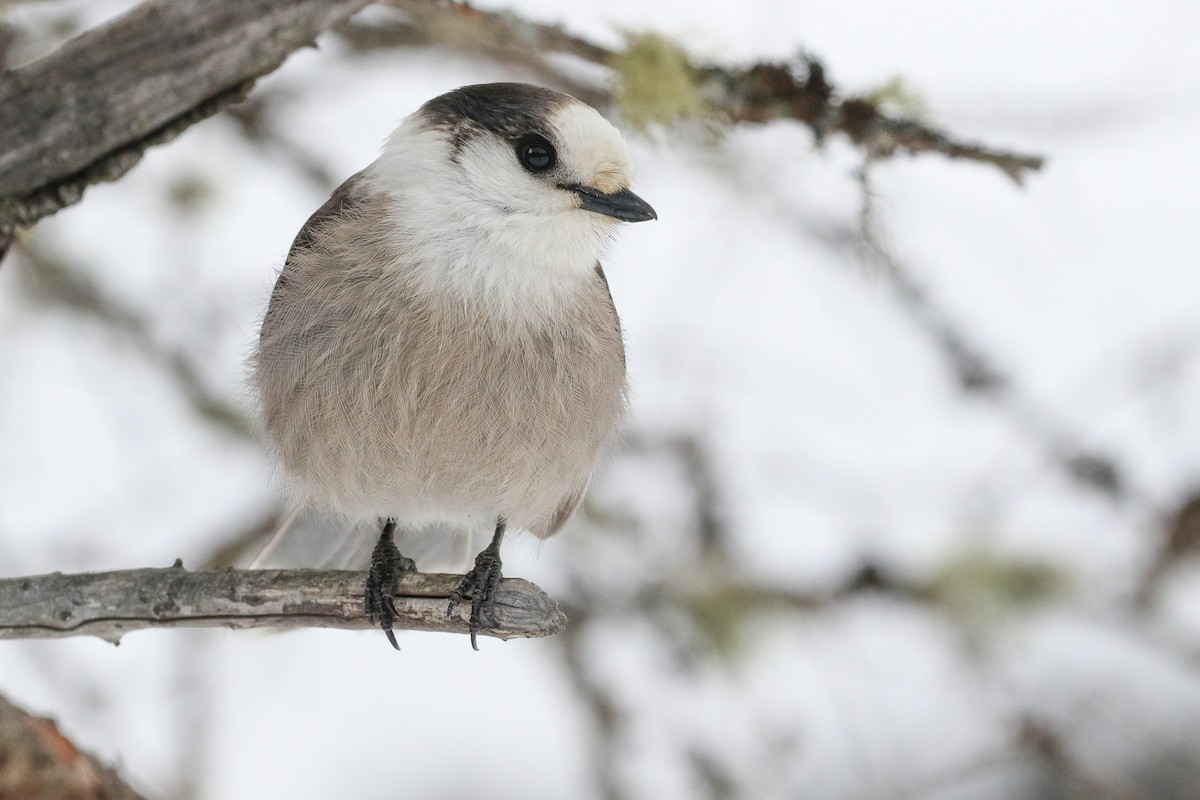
508 110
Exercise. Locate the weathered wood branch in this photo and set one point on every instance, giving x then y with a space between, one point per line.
110 604
37 762
86 112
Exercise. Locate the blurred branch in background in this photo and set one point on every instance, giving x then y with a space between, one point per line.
37 762
978 373
111 604
1179 542
702 610
52 281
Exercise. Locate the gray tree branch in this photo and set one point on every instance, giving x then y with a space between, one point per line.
86 112
110 604
978 373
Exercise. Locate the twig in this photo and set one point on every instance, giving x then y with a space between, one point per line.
1179 541
979 375
766 92
608 716
37 762
110 604
52 279
1096 780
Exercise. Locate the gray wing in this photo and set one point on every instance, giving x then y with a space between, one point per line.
294 541
316 540
567 506
612 310
565 509
343 200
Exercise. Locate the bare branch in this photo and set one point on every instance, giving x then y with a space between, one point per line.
86 112
800 91
1096 779
883 136
608 715
51 279
37 762
978 374
110 604
1179 541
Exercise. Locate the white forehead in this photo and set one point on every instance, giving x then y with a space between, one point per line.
591 148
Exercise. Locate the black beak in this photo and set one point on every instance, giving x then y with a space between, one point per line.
623 205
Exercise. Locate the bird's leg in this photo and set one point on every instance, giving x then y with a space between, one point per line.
479 585
379 597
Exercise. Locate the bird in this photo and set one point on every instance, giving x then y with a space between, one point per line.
441 346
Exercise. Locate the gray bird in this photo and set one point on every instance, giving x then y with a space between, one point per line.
441 346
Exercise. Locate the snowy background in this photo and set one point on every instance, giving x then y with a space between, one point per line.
820 565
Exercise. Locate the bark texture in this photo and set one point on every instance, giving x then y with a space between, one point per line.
86 112
110 604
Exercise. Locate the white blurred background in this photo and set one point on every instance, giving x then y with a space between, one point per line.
904 516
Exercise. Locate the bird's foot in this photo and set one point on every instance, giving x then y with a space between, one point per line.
479 587
379 596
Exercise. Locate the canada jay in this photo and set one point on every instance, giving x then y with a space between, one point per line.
441 345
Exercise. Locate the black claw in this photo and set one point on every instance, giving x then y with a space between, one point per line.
379 595
479 586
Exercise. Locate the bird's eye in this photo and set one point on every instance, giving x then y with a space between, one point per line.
536 154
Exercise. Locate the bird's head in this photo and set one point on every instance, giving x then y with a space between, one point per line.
528 150
507 181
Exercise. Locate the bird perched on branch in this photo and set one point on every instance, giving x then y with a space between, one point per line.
441 347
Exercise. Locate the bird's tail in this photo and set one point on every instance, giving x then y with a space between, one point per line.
315 540
273 544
